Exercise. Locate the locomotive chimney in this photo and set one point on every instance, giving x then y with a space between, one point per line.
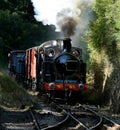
67 44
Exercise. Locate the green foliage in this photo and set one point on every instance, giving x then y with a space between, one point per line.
18 28
105 29
104 47
1 49
95 97
97 34
3 4
11 94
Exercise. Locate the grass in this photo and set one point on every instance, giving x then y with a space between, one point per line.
13 95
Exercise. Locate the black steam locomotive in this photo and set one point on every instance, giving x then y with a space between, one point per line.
55 67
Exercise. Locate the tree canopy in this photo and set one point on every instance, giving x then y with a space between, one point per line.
19 29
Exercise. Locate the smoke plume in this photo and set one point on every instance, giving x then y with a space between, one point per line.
64 14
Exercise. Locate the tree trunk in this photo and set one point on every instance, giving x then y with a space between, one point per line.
113 85
115 91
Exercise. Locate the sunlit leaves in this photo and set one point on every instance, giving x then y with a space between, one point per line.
106 28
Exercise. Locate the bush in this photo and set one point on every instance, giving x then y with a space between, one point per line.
11 94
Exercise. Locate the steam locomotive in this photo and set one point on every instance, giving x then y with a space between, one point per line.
55 67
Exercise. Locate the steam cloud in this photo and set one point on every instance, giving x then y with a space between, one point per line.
64 14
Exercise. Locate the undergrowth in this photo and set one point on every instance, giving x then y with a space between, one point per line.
13 95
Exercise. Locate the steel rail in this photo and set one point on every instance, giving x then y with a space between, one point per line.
114 123
35 120
75 119
57 124
51 126
100 121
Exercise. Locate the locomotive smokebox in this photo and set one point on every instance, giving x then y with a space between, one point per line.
67 45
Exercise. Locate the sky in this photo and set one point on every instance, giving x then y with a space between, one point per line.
70 17
64 14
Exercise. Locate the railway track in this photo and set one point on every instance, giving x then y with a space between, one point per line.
109 122
81 118
45 116
10 120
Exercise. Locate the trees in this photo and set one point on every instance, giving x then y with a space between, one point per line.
18 28
104 46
